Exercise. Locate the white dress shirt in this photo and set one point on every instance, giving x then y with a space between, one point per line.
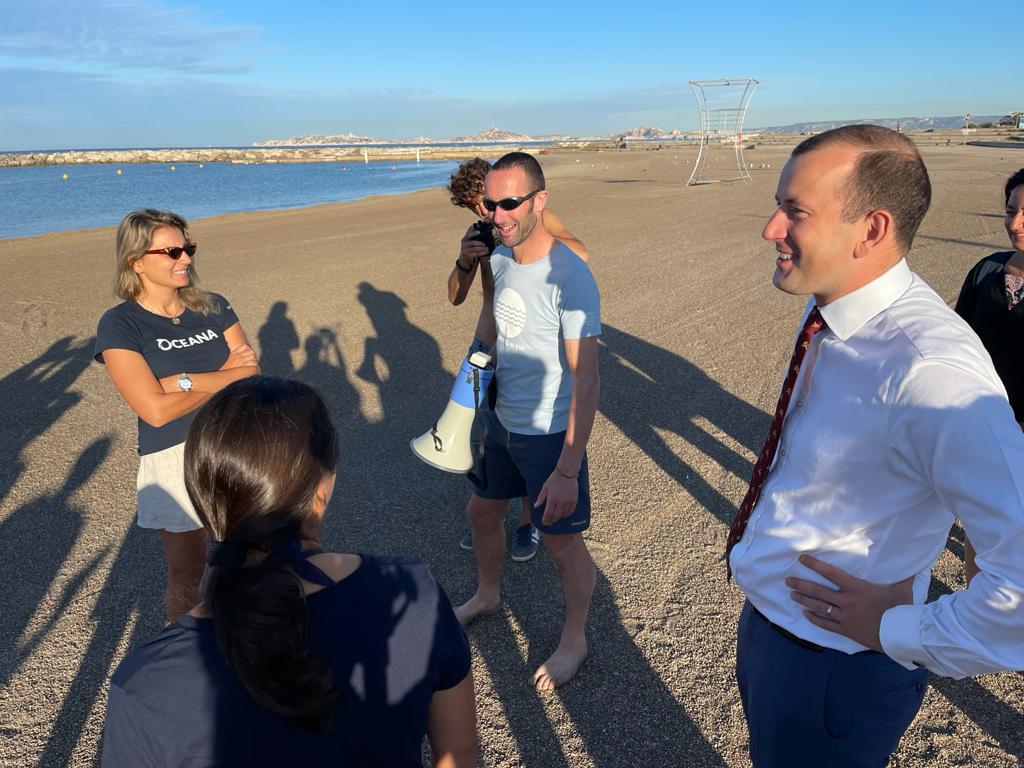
897 425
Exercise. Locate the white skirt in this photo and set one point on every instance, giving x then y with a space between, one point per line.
163 500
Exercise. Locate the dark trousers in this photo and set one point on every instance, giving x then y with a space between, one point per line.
820 709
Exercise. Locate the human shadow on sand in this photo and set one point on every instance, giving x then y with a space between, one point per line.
134 591
277 338
35 396
35 542
645 388
618 705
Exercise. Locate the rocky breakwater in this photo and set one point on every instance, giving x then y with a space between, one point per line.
269 155
253 155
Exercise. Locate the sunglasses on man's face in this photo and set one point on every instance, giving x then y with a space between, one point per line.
507 203
175 252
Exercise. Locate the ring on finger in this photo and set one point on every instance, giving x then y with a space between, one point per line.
828 611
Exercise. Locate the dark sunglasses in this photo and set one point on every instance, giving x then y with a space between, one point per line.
175 252
508 203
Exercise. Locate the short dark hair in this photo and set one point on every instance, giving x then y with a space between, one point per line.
527 163
1011 184
889 173
255 454
466 185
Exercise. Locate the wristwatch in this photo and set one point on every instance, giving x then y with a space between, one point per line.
184 382
458 266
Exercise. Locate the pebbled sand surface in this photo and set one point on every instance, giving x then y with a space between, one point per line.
350 297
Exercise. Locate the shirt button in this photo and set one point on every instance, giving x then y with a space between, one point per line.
799 403
782 451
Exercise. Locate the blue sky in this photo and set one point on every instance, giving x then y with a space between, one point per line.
137 73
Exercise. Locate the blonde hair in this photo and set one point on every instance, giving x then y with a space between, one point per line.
134 237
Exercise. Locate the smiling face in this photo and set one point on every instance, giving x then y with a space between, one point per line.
1014 221
515 226
814 247
159 271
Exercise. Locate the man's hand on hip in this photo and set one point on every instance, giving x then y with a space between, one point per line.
558 497
854 608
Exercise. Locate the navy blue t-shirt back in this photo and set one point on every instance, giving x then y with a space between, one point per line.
194 345
389 636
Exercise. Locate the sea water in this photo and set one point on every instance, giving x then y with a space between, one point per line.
38 199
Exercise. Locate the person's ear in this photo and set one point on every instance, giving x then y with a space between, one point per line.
877 232
324 491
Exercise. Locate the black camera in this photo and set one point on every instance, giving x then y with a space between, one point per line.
484 232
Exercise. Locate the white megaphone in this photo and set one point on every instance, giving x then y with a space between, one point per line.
447 445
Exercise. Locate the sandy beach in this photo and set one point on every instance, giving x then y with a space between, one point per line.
350 297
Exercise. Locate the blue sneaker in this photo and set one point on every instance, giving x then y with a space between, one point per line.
466 542
526 544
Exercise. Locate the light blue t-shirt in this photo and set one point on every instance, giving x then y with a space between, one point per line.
537 307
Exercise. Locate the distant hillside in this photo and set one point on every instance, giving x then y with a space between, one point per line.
299 141
490 135
644 132
905 123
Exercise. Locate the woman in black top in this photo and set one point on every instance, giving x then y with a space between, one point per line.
992 302
295 656
167 347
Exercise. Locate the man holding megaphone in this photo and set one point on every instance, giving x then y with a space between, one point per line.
466 188
547 317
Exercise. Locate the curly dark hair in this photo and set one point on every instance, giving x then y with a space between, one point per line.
466 185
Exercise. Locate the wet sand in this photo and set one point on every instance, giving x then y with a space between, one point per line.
351 298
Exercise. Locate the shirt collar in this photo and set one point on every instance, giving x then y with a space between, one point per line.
848 314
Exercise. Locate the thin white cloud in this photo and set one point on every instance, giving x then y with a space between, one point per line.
126 35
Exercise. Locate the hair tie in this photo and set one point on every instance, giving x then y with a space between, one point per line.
227 554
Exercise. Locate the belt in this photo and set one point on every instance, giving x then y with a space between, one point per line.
807 645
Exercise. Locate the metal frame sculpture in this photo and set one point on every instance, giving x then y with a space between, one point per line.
720 122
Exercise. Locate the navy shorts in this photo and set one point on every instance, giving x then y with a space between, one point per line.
511 465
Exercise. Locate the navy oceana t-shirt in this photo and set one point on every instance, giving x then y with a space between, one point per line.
194 345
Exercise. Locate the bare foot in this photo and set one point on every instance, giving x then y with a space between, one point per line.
476 607
560 666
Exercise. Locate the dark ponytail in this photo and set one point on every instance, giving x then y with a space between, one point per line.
255 455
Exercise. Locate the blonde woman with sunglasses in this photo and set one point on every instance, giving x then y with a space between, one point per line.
168 347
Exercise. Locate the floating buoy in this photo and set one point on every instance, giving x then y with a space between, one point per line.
118 171
200 165
64 176
172 168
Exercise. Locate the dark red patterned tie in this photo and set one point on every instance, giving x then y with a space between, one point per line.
814 323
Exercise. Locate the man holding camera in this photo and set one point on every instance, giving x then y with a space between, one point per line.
546 320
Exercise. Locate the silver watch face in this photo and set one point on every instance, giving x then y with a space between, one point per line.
184 383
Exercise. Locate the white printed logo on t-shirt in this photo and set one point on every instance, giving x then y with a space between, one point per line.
510 313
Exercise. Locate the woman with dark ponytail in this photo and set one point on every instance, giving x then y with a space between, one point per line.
294 654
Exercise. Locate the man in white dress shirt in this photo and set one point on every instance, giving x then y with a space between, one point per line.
891 424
